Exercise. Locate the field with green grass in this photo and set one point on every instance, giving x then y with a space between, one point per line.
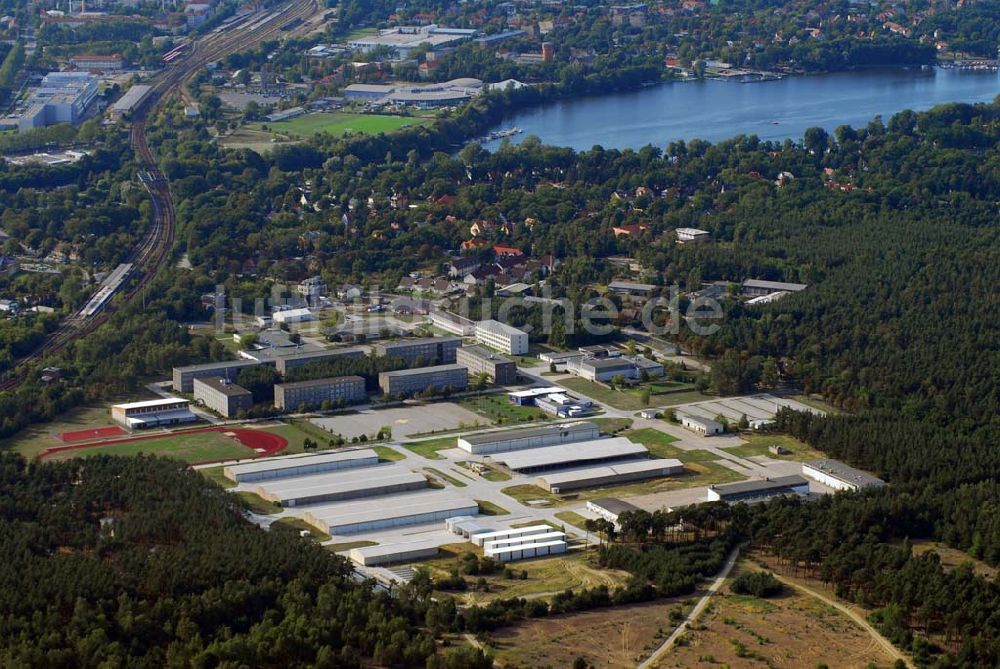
627 400
215 475
758 444
339 123
197 447
501 410
660 445
611 425
429 448
388 454
488 508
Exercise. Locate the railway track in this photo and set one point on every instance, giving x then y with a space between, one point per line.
154 248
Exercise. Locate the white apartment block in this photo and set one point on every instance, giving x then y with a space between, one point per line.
502 337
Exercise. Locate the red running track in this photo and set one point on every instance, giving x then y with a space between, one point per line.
86 435
268 442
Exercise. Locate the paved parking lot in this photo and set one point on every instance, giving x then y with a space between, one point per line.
404 421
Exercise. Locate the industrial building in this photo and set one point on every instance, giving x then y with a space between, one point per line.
127 103
757 287
62 97
700 424
390 511
526 550
479 360
367 91
222 396
839 476
292 316
431 350
562 405
405 39
230 369
408 382
93 62
605 369
299 465
610 508
502 337
510 533
692 235
569 455
614 474
465 526
632 288
288 362
337 389
758 490
527 397
153 413
551 535
528 437
407 551
337 486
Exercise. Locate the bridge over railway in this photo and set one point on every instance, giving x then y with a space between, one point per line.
145 260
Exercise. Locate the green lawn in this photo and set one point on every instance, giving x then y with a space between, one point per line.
339 123
447 477
488 508
296 525
501 410
429 447
296 432
660 445
215 475
258 504
348 545
573 518
525 493
388 454
627 400
612 425
757 444
681 397
197 447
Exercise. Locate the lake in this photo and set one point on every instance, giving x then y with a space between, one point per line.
773 110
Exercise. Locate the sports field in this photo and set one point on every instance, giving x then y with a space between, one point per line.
195 446
340 123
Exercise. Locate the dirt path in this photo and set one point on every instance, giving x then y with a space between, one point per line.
695 612
856 618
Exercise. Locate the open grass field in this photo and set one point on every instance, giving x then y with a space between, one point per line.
611 425
527 492
429 448
792 630
498 409
388 454
627 400
296 525
196 447
573 518
615 637
339 123
545 576
248 138
659 444
296 432
34 439
757 444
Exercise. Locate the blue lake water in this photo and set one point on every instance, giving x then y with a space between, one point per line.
773 110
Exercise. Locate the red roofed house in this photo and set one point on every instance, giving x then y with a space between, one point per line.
473 244
502 250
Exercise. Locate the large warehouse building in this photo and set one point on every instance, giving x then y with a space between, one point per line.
432 350
527 437
605 369
478 360
839 476
299 465
221 396
615 474
408 382
184 376
502 337
352 483
759 490
288 362
292 396
570 455
153 413
407 551
391 511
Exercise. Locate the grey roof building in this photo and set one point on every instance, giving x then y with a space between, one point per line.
337 389
229 369
288 362
439 350
478 359
839 476
221 396
758 490
408 382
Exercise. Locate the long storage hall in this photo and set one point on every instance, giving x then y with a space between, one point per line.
299 465
390 511
568 455
613 474
336 486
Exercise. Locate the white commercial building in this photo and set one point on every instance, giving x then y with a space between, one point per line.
300 465
526 551
390 511
610 508
760 490
337 486
405 39
839 476
406 551
605 369
700 424
689 235
62 97
153 413
528 437
288 316
568 455
615 474
552 535
502 337
510 533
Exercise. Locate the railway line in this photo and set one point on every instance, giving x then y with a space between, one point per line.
154 248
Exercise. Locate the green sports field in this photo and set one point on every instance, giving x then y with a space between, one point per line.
199 447
340 123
